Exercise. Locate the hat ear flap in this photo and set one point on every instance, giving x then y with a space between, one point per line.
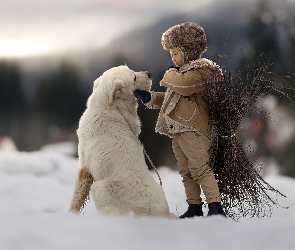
115 90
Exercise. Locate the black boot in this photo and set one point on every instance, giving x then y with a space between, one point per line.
193 210
215 208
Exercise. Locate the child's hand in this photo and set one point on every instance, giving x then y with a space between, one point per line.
143 95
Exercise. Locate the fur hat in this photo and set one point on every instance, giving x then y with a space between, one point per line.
188 37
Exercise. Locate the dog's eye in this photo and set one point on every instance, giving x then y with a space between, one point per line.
134 78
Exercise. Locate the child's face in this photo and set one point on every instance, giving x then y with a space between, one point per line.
176 57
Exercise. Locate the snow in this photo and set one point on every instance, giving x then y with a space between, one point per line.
36 189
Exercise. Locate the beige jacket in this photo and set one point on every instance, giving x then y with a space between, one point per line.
183 106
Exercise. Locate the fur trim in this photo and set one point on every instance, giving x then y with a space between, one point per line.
199 64
188 37
167 126
151 104
173 99
215 75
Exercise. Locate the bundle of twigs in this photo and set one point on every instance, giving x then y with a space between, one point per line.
244 192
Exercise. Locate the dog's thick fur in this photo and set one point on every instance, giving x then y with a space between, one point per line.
112 163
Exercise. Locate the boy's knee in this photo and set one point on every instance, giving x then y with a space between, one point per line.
185 173
198 173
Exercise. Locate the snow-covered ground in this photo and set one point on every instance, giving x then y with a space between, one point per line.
35 192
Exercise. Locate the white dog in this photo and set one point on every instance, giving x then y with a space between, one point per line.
112 163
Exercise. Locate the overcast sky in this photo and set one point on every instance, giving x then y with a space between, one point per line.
34 27
29 27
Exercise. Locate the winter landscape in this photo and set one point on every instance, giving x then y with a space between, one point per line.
47 45
35 193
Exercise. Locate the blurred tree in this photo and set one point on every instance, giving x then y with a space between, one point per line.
13 105
285 155
265 44
291 53
286 158
263 38
12 97
60 96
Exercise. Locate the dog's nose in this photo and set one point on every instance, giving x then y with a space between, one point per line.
148 74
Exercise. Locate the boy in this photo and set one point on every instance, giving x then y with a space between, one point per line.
184 114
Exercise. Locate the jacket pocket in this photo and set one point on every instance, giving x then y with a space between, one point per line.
185 110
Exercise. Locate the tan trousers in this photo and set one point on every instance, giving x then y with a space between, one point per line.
191 150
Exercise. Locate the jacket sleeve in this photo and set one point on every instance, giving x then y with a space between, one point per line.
156 101
185 83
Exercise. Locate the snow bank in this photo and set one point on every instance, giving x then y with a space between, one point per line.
35 192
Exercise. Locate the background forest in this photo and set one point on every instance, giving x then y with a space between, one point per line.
42 98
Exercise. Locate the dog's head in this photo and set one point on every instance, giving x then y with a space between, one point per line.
120 82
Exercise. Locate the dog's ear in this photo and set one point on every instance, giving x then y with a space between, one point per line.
115 90
96 83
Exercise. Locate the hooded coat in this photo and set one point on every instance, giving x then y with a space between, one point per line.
183 107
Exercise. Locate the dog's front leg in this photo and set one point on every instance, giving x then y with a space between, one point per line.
83 184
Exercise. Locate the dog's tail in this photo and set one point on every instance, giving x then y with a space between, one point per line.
83 184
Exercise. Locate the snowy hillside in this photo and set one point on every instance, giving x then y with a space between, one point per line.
35 192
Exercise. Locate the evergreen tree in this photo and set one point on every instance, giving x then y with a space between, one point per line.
265 46
12 98
285 155
60 96
13 105
263 37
